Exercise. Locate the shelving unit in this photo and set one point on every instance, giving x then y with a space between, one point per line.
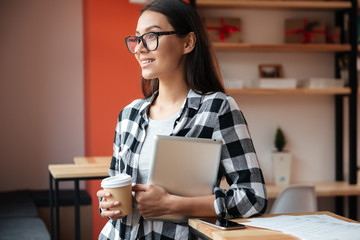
336 5
297 91
282 47
351 48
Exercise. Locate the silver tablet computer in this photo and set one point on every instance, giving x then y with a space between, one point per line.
185 166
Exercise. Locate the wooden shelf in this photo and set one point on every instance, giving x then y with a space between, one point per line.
282 47
297 91
296 5
323 189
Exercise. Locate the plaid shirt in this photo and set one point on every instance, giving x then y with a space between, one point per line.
214 116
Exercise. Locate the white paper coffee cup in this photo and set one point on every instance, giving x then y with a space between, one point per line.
120 188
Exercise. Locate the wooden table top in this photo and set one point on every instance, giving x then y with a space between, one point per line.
78 170
331 188
323 189
250 233
93 160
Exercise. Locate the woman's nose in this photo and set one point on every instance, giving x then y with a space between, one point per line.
140 47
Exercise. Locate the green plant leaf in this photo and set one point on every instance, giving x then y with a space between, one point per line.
279 140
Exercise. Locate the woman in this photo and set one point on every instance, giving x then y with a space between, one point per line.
183 97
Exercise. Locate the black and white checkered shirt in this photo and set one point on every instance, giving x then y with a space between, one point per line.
214 116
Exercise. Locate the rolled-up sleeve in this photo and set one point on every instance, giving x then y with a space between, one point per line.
239 164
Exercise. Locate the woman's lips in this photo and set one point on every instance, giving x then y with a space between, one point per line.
146 61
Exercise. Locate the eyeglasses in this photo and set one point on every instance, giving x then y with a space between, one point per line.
150 40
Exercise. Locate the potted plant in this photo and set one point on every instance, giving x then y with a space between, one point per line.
281 160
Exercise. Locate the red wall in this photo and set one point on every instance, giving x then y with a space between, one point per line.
112 79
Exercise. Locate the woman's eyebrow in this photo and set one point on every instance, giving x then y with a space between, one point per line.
148 28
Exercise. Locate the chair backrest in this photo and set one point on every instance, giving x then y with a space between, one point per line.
295 198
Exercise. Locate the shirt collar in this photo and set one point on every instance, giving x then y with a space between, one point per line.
144 108
193 100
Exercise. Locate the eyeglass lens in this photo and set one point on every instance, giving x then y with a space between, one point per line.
150 42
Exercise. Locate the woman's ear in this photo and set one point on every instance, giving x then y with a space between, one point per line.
190 41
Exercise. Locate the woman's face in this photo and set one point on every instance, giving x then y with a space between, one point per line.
168 58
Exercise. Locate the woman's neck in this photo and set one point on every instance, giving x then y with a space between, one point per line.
172 90
172 94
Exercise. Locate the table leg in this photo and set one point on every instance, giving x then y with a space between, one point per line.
339 205
51 206
57 212
192 236
352 201
77 210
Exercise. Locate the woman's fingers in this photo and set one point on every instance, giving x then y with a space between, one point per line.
106 212
113 215
103 194
105 206
108 204
140 187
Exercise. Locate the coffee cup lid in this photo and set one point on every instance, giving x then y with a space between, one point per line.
119 180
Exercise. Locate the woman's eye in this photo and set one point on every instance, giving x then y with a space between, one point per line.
152 36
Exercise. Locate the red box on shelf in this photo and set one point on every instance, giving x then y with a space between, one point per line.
305 31
223 29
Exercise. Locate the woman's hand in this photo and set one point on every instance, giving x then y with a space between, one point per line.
151 200
105 205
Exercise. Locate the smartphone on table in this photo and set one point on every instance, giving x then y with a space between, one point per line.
223 224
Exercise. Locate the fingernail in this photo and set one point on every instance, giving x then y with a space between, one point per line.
117 212
107 194
116 203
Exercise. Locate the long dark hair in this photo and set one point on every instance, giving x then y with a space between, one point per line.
202 73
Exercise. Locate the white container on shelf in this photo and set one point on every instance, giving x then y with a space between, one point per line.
233 83
276 83
314 83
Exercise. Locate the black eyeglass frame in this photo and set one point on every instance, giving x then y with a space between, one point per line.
144 42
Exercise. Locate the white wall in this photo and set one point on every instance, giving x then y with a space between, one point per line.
41 89
307 120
